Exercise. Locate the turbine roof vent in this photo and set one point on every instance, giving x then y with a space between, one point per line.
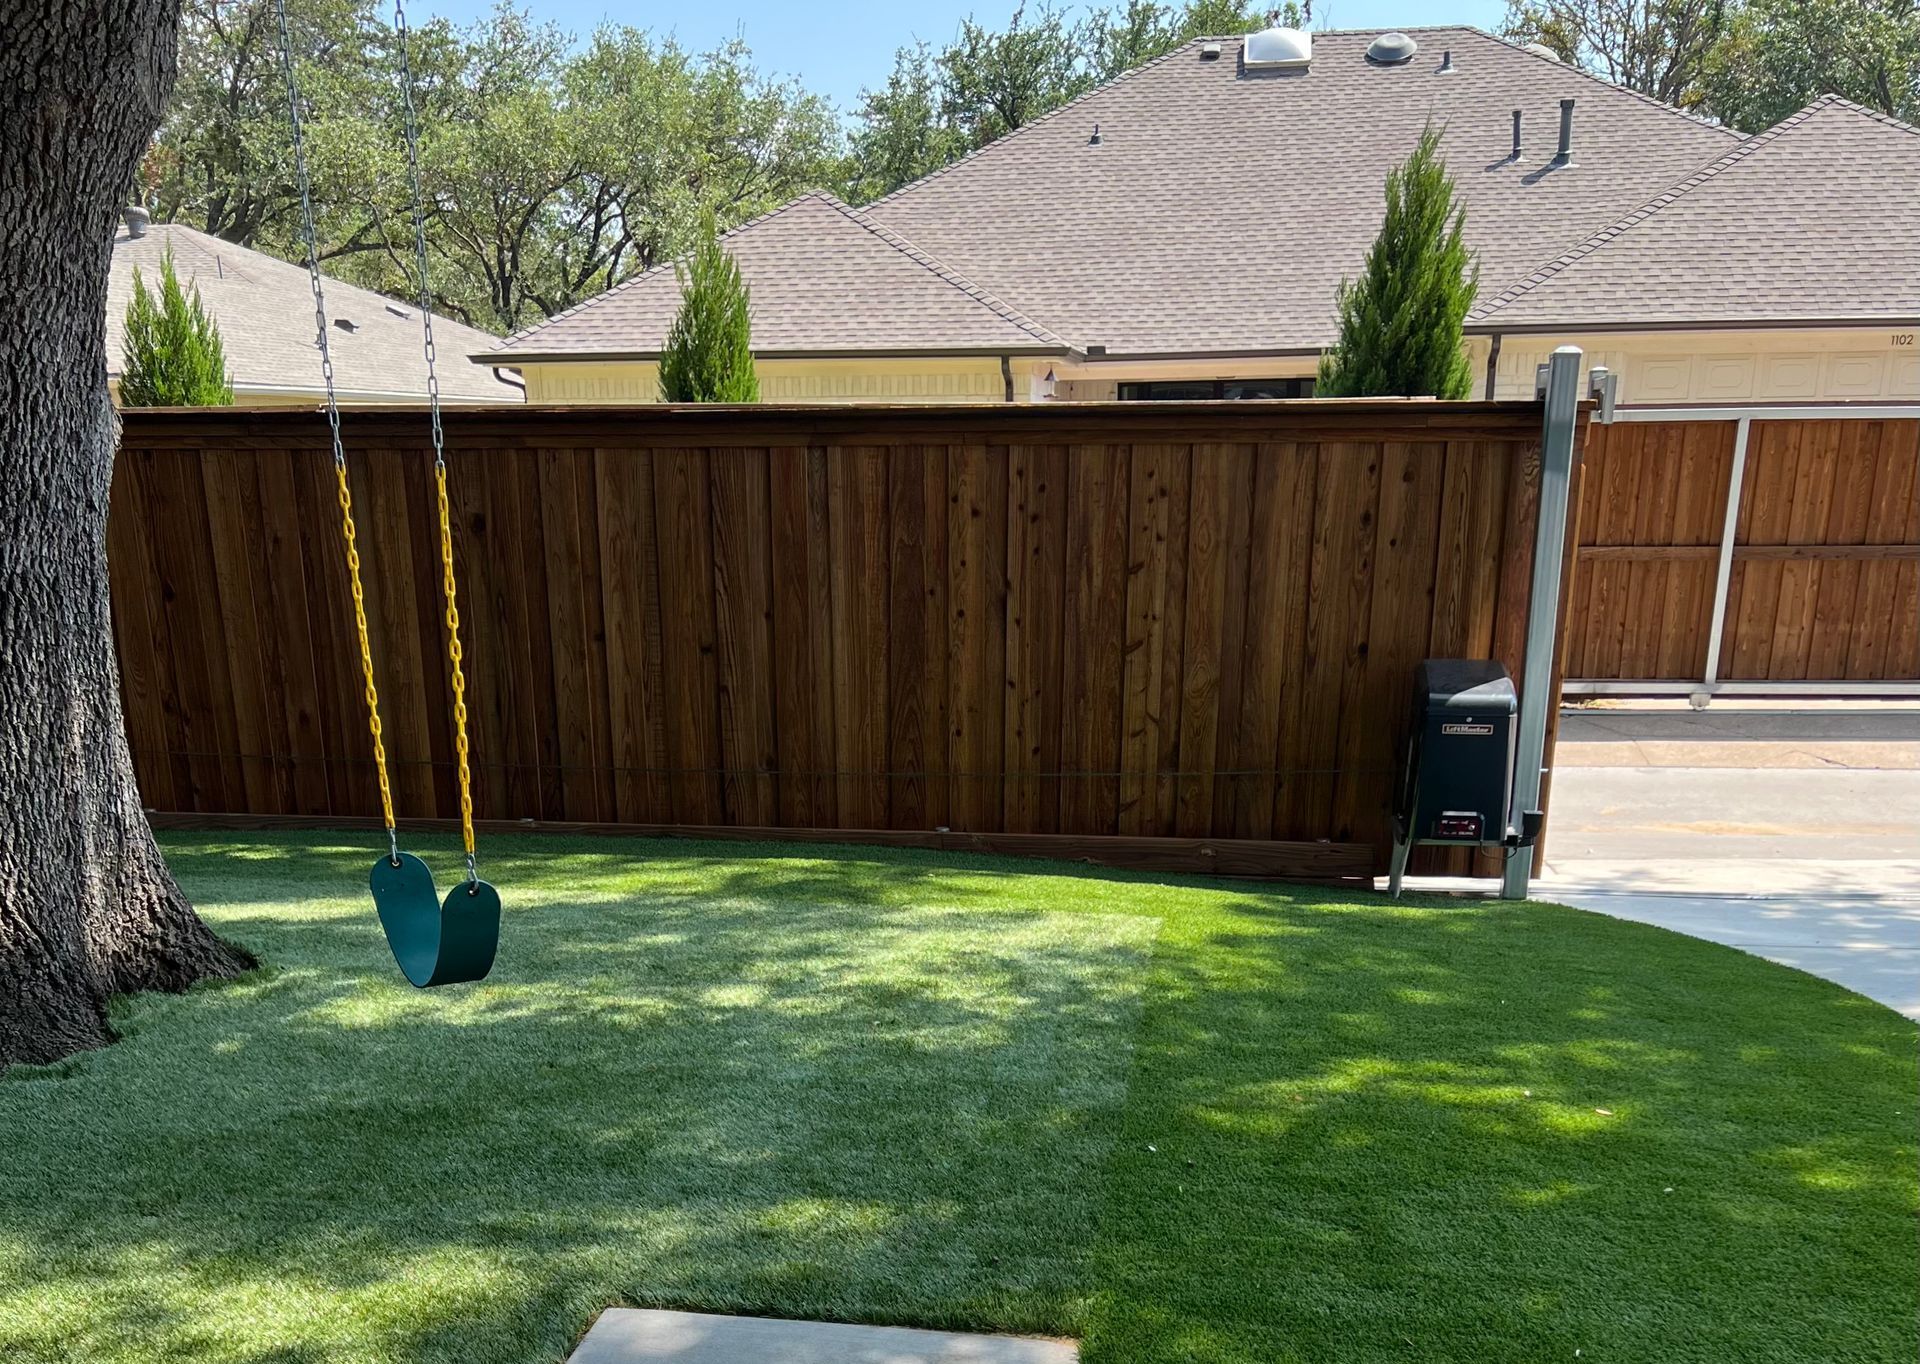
1391 49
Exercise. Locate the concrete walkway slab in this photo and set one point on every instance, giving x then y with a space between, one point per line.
638 1336
1794 835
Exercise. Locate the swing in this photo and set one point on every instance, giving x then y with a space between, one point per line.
435 941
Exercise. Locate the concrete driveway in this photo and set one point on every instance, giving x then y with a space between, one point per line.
1794 835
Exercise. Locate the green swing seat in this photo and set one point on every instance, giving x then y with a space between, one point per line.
435 942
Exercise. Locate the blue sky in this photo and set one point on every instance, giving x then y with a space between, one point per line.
838 47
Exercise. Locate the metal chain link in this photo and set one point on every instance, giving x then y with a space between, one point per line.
333 425
447 584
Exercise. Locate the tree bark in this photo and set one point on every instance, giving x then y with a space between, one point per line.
87 907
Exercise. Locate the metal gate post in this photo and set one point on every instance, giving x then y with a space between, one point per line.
1559 383
1736 480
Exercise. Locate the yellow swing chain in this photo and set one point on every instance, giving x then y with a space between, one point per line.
447 586
333 425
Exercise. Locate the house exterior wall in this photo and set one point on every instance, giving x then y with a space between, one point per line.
244 396
1759 365
960 379
1770 365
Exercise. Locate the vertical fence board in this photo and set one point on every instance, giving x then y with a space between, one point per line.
743 600
1093 633
976 633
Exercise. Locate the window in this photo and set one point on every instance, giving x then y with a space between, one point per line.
1186 390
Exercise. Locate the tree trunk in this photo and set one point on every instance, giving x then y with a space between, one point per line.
87 907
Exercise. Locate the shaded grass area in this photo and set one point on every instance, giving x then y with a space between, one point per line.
1181 1120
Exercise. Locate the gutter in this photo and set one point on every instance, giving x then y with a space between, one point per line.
518 358
1762 324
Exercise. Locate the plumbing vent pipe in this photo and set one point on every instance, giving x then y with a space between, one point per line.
1564 157
1514 155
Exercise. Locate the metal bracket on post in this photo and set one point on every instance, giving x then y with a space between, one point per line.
1603 386
1558 382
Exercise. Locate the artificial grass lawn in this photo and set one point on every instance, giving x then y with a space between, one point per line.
1185 1121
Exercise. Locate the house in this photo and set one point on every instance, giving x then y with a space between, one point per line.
1787 270
264 308
1182 231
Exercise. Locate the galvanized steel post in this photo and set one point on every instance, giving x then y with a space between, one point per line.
1559 383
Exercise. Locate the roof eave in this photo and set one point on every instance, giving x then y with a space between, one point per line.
1492 325
517 358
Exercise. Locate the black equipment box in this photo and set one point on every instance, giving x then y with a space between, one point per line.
1456 785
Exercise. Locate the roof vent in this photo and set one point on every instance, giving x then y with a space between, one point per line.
1391 49
346 324
1277 48
1209 52
398 311
136 218
1541 50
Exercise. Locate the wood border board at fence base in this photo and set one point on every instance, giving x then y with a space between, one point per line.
1348 864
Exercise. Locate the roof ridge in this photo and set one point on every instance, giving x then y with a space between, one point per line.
948 275
1171 53
513 338
1047 117
1695 119
1891 120
1591 243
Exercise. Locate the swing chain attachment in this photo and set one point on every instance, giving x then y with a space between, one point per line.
333 425
447 586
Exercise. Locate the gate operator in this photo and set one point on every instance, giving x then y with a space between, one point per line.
1457 784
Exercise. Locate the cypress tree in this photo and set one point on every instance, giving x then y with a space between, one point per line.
1400 322
174 357
708 357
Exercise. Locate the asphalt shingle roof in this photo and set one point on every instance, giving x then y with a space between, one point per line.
264 307
1221 208
824 279
1812 220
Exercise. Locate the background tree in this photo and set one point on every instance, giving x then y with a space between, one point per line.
1400 322
1779 55
172 353
939 105
708 356
902 133
1658 47
88 909
222 162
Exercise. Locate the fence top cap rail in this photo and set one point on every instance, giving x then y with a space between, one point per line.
696 411
761 424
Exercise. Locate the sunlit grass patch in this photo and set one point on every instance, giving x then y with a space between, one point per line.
1184 1121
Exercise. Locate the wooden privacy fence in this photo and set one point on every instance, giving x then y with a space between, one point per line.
1823 581
1114 622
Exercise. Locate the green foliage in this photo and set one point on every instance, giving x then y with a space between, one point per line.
1658 47
173 354
552 169
708 357
1780 55
938 106
902 134
1182 1120
1400 322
